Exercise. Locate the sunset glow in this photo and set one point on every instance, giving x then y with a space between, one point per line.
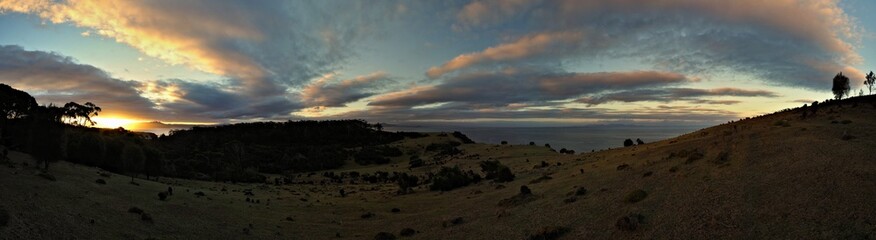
115 122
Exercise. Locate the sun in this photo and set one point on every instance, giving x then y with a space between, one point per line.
113 122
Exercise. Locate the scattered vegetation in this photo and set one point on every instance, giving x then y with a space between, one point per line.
494 170
449 178
4 217
581 191
384 236
549 233
452 222
630 222
407 232
636 196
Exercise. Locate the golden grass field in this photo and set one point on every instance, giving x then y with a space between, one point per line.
773 177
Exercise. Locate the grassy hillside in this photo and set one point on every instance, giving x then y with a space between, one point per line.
773 177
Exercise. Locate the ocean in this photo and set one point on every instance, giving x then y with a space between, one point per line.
578 138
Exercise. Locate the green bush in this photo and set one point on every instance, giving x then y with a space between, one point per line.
549 233
449 178
636 196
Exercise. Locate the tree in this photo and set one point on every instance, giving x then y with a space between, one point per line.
840 86
628 142
133 159
870 81
77 114
639 141
15 103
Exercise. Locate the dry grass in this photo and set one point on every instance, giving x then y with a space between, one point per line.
756 180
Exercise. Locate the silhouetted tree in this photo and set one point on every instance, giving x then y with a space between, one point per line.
15 103
840 86
133 159
639 141
77 114
628 142
870 81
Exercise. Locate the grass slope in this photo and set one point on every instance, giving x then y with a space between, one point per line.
773 177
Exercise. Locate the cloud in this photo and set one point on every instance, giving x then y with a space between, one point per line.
52 78
676 94
515 86
792 43
526 47
485 12
262 46
660 114
327 93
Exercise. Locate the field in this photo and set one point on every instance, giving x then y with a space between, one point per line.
778 176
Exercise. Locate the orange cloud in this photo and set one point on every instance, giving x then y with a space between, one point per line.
524 47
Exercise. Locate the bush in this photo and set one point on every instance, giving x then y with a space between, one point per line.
384 236
504 142
628 142
416 162
581 191
374 155
406 182
162 196
368 215
407 232
497 172
636 196
451 178
630 222
549 233
531 143
524 190
135 210
100 181
4 217
146 217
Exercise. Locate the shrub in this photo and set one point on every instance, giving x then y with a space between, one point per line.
451 178
406 182
162 196
504 142
628 142
541 179
636 196
549 233
581 191
100 181
639 141
496 171
384 236
846 121
524 190
135 210
4 217
629 222
782 123
453 222
416 161
367 215
146 217
395 210
406 232
531 143
370 156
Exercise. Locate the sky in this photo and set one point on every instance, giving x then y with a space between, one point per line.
509 62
